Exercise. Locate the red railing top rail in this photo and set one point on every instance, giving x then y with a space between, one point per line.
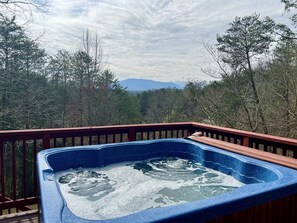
248 134
39 133
103 128
13 134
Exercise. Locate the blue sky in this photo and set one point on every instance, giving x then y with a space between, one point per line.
154 39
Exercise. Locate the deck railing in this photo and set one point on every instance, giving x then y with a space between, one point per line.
18 149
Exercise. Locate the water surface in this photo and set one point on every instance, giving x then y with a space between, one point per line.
125 188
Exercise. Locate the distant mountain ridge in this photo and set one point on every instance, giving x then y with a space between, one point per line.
134 84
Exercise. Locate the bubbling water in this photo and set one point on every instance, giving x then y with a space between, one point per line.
125 188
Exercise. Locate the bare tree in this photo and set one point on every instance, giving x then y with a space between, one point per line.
23 7
283 87
23 4
233 80
91 46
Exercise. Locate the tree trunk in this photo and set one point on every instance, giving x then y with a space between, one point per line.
256 95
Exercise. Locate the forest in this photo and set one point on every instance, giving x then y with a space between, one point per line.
255 89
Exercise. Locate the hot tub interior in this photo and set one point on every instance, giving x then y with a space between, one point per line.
132 187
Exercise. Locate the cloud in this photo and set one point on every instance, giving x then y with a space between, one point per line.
149 38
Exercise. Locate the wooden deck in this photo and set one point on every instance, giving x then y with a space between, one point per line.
254 153
15 169
22 217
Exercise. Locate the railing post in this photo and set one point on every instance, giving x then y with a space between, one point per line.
246 141
46 140
191 130
131 134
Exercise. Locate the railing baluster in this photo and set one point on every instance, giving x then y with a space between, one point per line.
106 138
273 149
46 141
246 141
14 187
90 140
34 167
24 169
132 134
55 142
284 151
265 147
2 170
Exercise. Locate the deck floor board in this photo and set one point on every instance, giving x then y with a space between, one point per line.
22 217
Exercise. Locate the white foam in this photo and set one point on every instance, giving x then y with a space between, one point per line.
129 190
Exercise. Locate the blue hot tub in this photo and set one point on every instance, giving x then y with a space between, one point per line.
263 181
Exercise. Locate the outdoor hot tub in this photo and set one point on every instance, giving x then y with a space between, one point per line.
252 182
